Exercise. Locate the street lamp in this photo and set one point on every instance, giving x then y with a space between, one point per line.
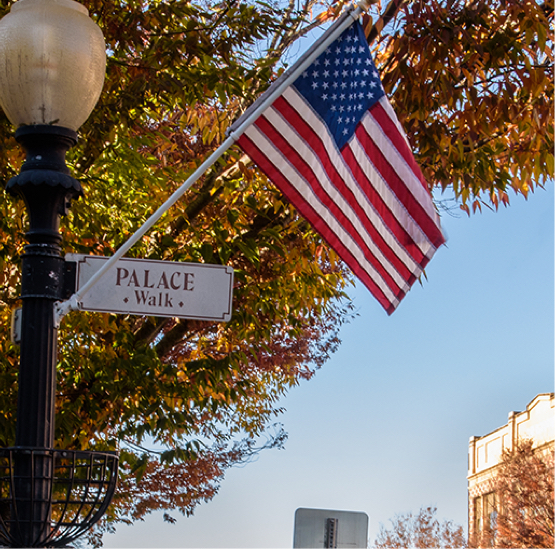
52 66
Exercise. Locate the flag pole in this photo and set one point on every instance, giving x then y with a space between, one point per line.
235 132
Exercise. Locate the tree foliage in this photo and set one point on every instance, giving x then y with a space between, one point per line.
420 531
471 81
524 490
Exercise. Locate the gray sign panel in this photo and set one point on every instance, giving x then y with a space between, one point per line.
157 288
329 528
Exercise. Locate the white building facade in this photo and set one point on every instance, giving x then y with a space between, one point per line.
536 423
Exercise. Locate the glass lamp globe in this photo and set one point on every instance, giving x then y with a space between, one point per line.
52 63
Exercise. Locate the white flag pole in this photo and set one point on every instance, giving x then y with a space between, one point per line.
236 130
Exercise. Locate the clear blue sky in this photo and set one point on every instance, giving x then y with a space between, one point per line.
384 426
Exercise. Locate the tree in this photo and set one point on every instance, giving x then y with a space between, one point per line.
420 531
524 488
189 398
179 399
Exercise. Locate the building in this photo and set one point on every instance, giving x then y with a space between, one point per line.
537 423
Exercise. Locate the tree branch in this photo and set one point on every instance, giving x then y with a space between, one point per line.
173 337
150 329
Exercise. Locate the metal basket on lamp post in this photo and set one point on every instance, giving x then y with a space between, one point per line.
81 487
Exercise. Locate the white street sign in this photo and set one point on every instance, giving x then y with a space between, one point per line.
156 288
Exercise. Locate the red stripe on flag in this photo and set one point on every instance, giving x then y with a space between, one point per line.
391 130
398 186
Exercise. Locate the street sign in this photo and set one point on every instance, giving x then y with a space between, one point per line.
157 288
329 528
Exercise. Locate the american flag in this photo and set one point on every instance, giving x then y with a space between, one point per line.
333 145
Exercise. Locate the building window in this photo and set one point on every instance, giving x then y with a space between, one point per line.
478 514
485 519
490 511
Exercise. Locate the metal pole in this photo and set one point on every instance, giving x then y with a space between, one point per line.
47 188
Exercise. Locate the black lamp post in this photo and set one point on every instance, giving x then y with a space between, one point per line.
52 64
47 189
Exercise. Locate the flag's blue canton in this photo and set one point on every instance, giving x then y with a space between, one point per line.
342 84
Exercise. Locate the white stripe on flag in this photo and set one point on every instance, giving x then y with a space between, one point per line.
397 161
390 199
393 117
